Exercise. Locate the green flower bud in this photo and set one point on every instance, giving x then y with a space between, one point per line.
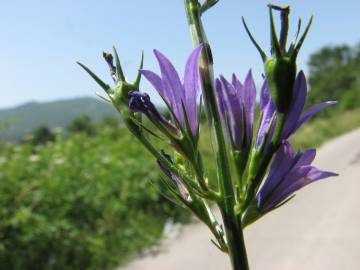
280 67
280 74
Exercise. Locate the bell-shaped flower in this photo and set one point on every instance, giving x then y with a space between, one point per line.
180 96
295 116
288 173
236 104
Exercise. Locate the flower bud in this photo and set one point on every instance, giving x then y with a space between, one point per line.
280 67
280 74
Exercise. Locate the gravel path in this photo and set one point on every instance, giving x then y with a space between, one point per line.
318 229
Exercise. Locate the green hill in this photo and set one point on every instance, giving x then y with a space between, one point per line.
16 122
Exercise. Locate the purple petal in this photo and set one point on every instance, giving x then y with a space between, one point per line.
281 165
191 86
171 85
299 179
306 158
249 94
265 97
268 109
223 107
221 99
235 82
313 110
239 89
292 182
297 105
270 134
156 82
316 174
234 112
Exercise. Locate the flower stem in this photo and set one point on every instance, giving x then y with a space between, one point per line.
259 162
233 229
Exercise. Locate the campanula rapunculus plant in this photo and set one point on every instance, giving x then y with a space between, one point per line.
257 168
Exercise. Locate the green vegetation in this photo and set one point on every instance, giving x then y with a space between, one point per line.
79 203
335 74
42 135
82 124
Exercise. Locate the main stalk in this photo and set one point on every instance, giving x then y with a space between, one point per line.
233 230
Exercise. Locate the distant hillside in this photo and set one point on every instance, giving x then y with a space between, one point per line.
17 121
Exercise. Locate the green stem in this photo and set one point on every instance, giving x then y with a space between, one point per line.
235 239
233 230
240 160
260 162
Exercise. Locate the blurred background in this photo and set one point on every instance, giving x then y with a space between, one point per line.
76 190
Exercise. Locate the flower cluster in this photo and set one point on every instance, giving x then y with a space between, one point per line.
236 102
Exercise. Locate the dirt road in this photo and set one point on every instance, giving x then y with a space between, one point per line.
318 229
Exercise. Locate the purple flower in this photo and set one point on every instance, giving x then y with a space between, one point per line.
174 178
179 95
140 102
237 103
295 116
288 173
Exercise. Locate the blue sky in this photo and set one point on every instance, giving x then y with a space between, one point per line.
41 40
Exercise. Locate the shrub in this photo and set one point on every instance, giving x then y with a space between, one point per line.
82 203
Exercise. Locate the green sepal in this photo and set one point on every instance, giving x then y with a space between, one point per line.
302 39
138 77
275 45
207 5
103 85
293 43
257 46
119 72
